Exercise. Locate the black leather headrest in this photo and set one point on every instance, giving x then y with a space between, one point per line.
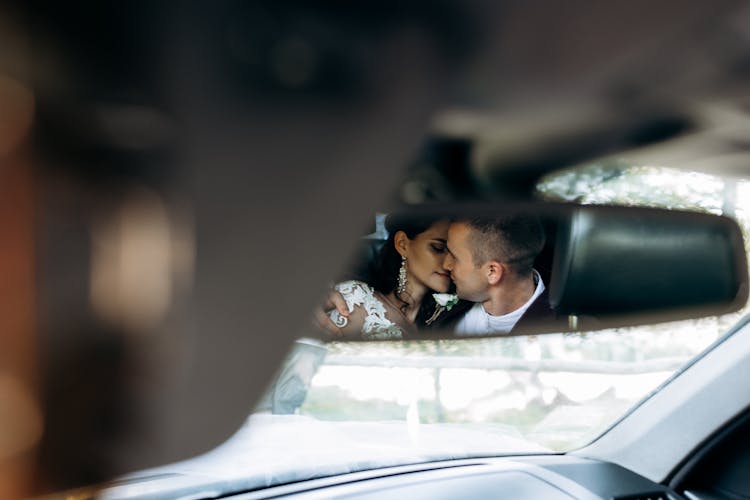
365 258
620 261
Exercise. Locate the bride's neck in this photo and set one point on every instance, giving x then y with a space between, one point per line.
412 296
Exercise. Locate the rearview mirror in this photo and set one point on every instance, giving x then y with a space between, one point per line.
473 271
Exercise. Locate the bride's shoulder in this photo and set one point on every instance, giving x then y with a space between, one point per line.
355 289
360 294
368 316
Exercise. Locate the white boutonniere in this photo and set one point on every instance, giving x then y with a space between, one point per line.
444 301
447 300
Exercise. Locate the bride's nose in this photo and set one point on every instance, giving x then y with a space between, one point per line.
448 262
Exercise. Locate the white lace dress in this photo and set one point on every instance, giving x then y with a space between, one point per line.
360 295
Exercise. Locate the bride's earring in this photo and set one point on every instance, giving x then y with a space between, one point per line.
401 277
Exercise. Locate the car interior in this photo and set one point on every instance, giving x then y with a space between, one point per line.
183 183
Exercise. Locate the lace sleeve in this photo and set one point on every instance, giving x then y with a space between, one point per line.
376 325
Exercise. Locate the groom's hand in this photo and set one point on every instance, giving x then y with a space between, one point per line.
334 301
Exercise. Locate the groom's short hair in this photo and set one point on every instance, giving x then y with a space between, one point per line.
514 240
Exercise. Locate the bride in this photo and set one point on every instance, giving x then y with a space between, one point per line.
399 295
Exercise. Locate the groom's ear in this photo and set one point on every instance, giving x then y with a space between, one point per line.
495 272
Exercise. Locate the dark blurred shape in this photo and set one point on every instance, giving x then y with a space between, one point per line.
657 129
514 174
107 148
88 405
327 49
516 157
442 172
99 78
17 105
231 112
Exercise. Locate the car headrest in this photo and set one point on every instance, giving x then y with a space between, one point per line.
364 261
610 261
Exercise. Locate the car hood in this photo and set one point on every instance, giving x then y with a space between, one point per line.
276 449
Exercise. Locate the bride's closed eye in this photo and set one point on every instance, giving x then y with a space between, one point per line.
437 248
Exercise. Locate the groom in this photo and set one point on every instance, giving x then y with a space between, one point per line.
490 260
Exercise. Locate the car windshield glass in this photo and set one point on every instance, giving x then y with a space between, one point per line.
347 406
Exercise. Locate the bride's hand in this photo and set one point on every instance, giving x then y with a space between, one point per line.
334 301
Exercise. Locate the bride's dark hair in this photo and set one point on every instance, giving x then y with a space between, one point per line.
384 278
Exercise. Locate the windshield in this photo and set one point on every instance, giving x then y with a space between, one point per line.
527 394
347 406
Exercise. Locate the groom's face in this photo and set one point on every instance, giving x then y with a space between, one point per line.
471 281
